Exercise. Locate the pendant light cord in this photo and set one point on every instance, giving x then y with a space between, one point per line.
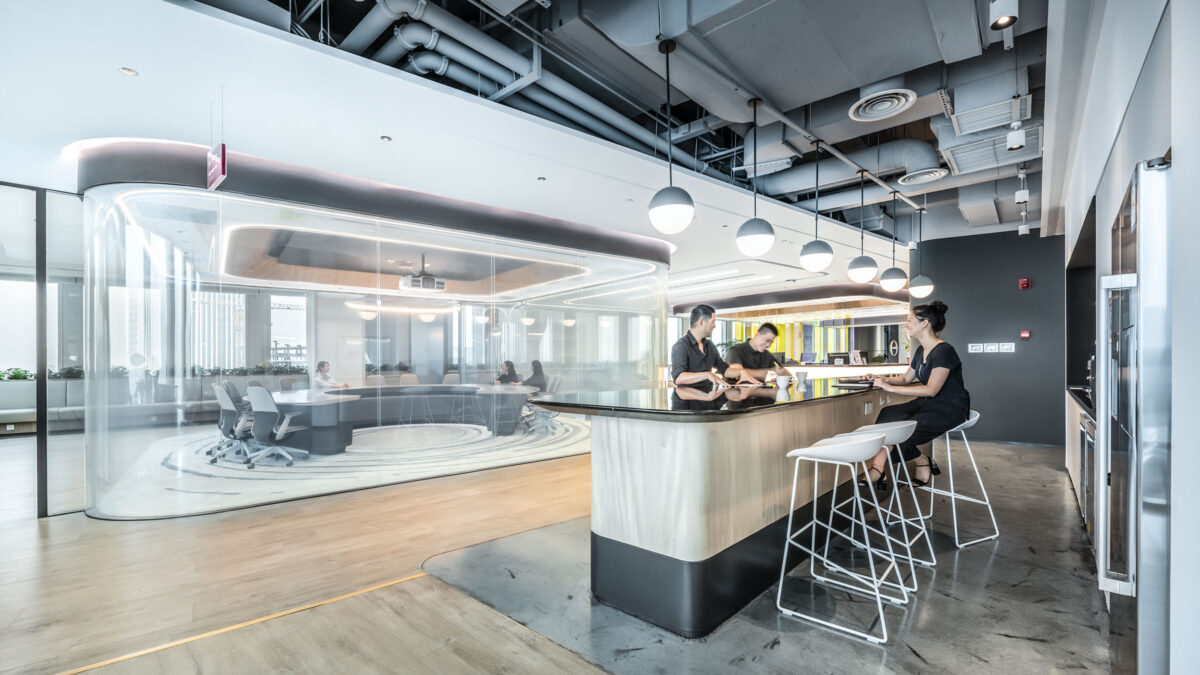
670 46
893 228
817 201
862 207
754 179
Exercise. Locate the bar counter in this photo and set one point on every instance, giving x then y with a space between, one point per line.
690 496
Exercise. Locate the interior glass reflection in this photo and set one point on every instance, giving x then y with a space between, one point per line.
245 351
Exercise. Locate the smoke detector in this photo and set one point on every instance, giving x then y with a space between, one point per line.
882 100
923 176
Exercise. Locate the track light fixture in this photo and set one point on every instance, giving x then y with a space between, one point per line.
1002 14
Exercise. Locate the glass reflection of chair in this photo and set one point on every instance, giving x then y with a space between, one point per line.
465 407
269 429
234 425
287 383
414 401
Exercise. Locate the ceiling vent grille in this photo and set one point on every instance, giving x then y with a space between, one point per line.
991 116
989 153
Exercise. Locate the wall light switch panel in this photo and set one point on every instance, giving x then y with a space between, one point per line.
991 347
1008 347
975 347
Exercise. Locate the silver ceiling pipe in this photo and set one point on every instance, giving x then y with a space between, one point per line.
414 35
385 12
903 156
424 63
849 199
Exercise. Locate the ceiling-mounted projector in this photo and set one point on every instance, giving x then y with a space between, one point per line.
422 281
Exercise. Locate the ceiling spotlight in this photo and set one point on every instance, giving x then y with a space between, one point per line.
481 319
367 316
1002 14
1016 137
527 320
568 322
1024 228
671 209
541 178
385 138
427 318
128 71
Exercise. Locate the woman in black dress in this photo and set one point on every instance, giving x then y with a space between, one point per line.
935 378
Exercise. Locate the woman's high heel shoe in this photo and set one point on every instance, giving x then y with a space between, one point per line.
877 485
934 470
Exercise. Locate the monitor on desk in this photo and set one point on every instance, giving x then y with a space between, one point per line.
838 359
780 358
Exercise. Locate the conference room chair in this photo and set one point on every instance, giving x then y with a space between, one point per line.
270 428
234 425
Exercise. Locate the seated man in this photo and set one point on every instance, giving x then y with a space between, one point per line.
752 356
694 358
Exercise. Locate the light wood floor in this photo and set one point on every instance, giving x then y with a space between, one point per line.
77 591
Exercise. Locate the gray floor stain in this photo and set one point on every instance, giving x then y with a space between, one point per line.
1025 603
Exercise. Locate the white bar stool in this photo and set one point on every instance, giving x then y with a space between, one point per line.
896 433
953 494
851 452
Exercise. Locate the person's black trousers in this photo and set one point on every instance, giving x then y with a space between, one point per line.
930 425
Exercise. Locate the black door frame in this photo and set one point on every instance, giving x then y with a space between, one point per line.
40 408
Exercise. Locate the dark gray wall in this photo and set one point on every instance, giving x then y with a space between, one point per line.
1020 396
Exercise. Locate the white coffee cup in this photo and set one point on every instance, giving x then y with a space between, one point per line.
783 381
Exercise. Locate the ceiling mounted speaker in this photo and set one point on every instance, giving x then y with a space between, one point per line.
882 100
924 176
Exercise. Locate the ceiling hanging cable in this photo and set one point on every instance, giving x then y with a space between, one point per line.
921 286
862 269
816 255
756 236
893 278
671 209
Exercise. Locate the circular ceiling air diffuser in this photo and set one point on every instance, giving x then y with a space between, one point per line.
923 176
882 104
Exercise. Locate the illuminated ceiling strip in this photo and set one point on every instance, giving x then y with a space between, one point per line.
675 281
359 306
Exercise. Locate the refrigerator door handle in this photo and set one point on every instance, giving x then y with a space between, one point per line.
1103 446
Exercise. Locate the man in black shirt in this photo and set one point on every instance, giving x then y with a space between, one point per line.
694 357
752 356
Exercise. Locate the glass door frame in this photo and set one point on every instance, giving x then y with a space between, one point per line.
42 342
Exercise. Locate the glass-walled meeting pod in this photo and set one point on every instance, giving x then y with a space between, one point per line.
209 312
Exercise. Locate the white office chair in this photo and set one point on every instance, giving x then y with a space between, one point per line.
409 378
270 428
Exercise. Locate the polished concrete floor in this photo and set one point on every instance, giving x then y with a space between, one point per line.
1025 603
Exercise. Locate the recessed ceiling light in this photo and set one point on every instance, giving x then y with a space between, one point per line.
128 71
385 138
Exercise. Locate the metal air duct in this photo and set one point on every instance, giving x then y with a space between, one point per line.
908 156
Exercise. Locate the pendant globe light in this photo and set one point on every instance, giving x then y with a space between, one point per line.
756 236
671 208
862 269
893 278
921 286
817 254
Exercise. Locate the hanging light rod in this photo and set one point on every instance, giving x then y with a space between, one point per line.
741 90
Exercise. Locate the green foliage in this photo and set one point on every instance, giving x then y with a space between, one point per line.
17 374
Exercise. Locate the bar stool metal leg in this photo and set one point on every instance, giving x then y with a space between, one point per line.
953 494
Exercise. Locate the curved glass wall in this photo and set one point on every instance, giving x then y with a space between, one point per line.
207 316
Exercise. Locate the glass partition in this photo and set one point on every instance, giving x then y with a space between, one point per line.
242 351
18 344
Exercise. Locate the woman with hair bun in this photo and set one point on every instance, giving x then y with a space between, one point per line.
934 377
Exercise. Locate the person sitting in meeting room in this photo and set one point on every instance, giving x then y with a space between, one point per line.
935 378
752 356
538 378
324 380
508 374
694 357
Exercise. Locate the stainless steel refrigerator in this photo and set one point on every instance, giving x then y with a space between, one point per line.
1133 404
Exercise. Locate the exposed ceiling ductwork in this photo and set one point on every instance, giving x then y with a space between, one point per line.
981 150
874 194
906 156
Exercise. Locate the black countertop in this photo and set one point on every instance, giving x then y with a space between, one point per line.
687 404
1084 399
